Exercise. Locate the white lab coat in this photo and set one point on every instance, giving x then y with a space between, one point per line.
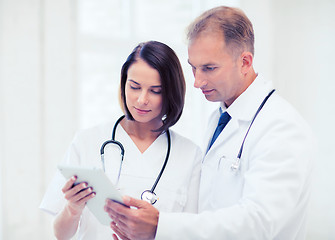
178 188
268 197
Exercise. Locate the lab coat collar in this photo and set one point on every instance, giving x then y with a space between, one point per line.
246 105
242 109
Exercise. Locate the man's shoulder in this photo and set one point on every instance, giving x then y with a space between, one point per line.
279 113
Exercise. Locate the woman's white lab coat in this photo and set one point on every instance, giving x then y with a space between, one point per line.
177 189
267 197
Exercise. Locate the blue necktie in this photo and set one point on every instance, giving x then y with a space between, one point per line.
224 119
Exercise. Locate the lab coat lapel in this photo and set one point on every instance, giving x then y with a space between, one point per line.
212 124
226 133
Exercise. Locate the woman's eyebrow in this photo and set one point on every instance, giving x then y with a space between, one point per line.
154 86
131 80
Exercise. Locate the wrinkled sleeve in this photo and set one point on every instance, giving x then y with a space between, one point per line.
53 200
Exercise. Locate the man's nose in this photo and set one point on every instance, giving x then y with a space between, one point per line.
199 79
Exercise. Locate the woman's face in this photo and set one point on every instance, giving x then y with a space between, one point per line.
143 93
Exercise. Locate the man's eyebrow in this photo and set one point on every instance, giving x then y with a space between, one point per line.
189 62
204 65
208 64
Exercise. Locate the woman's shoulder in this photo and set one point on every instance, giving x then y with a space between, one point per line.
185 149
182 141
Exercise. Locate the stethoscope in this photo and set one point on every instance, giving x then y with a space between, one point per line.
236 165
148 195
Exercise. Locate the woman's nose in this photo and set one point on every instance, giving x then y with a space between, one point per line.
143 98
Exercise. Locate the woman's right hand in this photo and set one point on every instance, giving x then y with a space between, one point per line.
76 196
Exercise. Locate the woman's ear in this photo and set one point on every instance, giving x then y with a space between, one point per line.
247 59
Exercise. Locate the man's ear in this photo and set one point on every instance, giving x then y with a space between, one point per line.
247 59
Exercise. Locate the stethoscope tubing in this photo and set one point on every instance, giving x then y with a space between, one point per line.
122 152
235 166
252 121
165 162
113 141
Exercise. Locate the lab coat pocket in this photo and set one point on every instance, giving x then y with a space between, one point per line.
227 182
171 200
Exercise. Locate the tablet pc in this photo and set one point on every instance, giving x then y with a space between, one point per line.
102 186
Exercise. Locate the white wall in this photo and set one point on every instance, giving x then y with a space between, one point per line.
107 33
38 107
295 45
2 115
41 91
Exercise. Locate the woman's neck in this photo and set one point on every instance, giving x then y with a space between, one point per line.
141 133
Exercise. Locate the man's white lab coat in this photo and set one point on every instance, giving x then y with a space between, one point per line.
267 197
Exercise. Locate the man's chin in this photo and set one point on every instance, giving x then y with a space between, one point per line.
211 98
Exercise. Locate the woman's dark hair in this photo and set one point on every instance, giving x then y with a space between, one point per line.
162 58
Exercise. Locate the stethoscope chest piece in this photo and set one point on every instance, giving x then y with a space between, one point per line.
235 165
149 197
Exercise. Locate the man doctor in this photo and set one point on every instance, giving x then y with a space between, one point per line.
264 193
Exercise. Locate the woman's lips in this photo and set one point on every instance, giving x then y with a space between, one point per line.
141 111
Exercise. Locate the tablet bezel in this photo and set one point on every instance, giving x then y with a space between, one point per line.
102 186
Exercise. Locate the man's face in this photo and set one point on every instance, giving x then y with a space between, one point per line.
216 72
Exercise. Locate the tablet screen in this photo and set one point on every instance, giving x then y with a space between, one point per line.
102 186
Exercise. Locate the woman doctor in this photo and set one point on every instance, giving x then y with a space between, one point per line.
152 91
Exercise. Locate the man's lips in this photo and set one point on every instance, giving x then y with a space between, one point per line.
207 91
